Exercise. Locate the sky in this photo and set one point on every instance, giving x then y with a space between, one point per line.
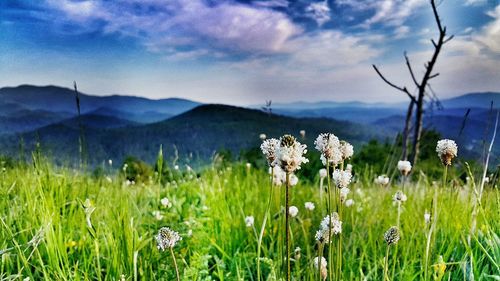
248 51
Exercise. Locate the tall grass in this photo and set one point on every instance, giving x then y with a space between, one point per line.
44 234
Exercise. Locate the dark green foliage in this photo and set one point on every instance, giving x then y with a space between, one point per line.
136 170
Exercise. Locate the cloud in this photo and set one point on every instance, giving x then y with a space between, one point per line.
319 11
226 26
272 3
475 2
401 31
490 34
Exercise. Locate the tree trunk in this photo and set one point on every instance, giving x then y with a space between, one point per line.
406 131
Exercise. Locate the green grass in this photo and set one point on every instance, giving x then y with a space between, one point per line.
45 201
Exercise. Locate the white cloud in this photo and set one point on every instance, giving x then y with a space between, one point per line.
401 31
272 3
319 11
490 34
475 2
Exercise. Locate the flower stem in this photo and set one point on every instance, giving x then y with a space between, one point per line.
175 264
287 225
329 210
386 263
263 227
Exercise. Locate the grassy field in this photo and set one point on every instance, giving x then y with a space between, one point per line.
63 224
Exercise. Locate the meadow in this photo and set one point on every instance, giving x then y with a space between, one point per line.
59 223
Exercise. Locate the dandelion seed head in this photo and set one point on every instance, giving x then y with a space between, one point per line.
309 206
268 148
165 202
349 203
249 221
382 180
322 173
293 211
262 136
344 191
347 150
399 196
446 150
167 238
290 154
329 147
324 232
341 178
157 215
294 180
427 217
392 236
248 166
404 167
302 133
348 168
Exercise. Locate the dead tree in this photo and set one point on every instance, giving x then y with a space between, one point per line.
421 87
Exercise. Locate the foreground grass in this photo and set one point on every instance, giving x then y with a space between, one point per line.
44 233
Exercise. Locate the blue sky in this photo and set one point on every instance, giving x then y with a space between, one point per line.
246 52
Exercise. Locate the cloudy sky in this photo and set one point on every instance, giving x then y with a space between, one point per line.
248 51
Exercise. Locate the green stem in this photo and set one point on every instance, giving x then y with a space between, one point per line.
287 225
329 210
175 264
261 235
386 262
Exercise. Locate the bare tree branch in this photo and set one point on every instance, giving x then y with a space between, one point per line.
402 89
411 71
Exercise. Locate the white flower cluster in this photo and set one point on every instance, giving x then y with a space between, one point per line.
290 154
349 203
321 265
427 217
165 202
309 206
382 180
447 150
249 221
347 150
323 173
404 167
399 196
344 191
323 234
167 238
329 147
268 148
341 178
279 176
293 211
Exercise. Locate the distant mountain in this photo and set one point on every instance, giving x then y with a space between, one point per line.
481 100
57 103
199 132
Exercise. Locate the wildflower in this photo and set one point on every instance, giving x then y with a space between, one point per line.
349 203
439 269
176 167
249 221
447 150
290 154
344 191
165 202
268 148
248 165
167 238
427 217
341 178
347 150
321 265
262 136
382 180
322 173
309 206
348 168
323 234
157 215
110 162
88 209
329 147
278 175
399 196
391 236
302 133
125 166
294 180
293 211
486 179
404 167
297 253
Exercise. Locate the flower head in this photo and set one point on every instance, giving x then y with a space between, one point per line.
391 236
404 167
268 148
341 178
446 150
349 203
165 202
293 211
399 196
382 180
329 147
167 238
330 221
323 173
309 206
290 154
262 136
294 180
321 265
427 217
249 220
344 191
347 150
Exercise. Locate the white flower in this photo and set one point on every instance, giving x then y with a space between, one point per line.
165 202
404 167
268 148
329 147
293 211
302 133
110 162
290 154
125 166
323 262
344 191
248 165
382 180
309 206
348 168
347 150
167 238
190 233
399 196
447 150
294 180
341 178
279 176
322 173
427 217
486 180
323 234
249 221
157 215
176 167
321 265
108 179
349 202
262 136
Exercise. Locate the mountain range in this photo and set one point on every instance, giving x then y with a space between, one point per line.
117 126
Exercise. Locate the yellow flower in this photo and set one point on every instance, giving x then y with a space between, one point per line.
439 269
